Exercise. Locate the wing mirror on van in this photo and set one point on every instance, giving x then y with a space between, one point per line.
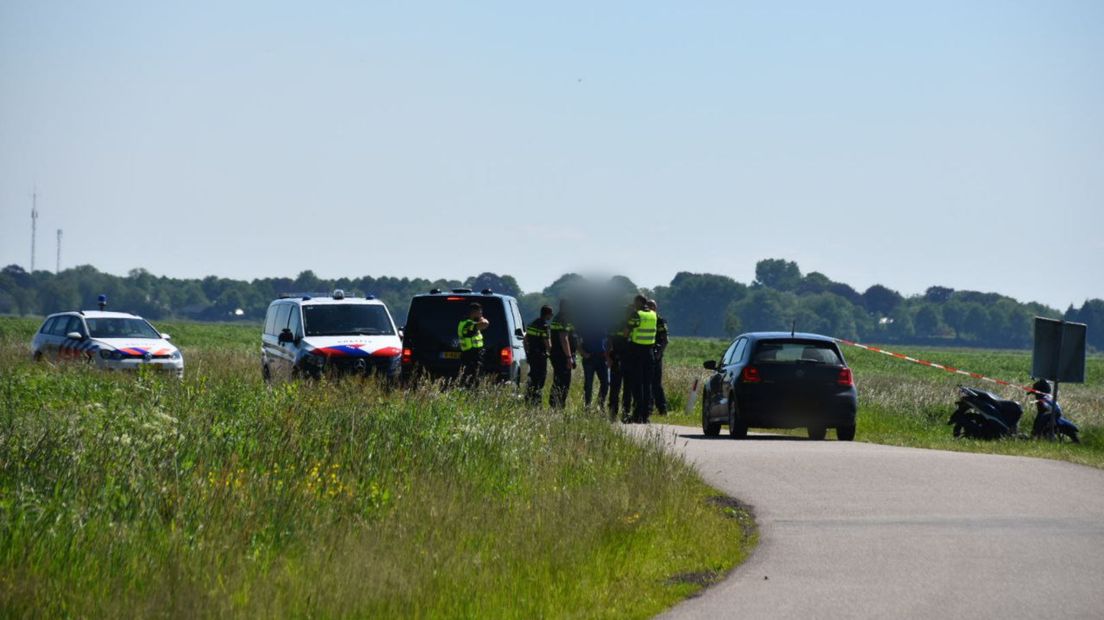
74 336
285 336
165 336
710 365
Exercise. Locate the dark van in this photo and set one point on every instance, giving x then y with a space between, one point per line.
431 346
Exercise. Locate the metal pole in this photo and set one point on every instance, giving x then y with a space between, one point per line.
58 270
34 225
1052 432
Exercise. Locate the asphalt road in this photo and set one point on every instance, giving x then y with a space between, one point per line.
854 530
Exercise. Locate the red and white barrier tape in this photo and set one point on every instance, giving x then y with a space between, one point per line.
951 369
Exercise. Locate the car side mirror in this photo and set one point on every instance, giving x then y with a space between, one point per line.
285 336
166 336
74 336
710 365
519 333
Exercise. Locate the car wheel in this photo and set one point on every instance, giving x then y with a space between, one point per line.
737 427
845 433
266 373
709 428
817 433
37 356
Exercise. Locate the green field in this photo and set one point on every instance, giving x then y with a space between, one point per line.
140 495
907 404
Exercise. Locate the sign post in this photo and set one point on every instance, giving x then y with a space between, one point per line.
1059 354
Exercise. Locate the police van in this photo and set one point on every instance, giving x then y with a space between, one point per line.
431 344
308 335
108 340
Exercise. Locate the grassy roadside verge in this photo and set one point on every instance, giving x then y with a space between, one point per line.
904 404
215 496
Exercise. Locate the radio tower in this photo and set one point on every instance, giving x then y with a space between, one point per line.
58 270
34 224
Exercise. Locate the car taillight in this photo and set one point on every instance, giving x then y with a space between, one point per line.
407 356
845 378
506 356
750 375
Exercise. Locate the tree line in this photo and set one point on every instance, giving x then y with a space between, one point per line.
695 304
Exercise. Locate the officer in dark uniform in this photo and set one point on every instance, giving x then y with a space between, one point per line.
659 397
538 343
642 336
562 356
470 332
620 394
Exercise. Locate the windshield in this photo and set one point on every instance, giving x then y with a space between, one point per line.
809 352
121 328
347 319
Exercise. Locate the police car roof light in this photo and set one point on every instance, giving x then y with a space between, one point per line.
487 291
338 294
435 291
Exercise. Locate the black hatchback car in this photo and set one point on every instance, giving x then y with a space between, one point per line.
780 380
431 346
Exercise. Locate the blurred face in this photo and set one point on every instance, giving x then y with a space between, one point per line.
475 315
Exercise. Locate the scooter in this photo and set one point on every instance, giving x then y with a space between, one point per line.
981 415
1049 422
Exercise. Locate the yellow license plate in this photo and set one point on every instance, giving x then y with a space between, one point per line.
450 355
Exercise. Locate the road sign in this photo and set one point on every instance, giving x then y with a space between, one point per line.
1059 351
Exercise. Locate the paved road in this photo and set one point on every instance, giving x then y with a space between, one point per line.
854 530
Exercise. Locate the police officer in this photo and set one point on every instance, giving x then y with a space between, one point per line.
642 337
562 356
470 331
659 397
620 395
538 343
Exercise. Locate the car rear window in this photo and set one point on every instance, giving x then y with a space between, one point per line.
809 352
433 321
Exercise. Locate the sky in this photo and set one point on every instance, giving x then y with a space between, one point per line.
954 143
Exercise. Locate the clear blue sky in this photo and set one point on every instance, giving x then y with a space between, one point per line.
951 143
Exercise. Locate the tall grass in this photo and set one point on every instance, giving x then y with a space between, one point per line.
124 495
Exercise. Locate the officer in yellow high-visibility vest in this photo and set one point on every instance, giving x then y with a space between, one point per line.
470 332
642 338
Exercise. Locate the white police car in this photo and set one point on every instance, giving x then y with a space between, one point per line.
110 340
308 335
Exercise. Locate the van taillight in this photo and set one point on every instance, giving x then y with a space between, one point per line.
407 356
750 375
845 378
506 356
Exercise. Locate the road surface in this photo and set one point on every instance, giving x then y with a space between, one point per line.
855 530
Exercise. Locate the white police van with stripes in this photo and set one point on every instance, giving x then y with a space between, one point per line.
109 340
311 334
